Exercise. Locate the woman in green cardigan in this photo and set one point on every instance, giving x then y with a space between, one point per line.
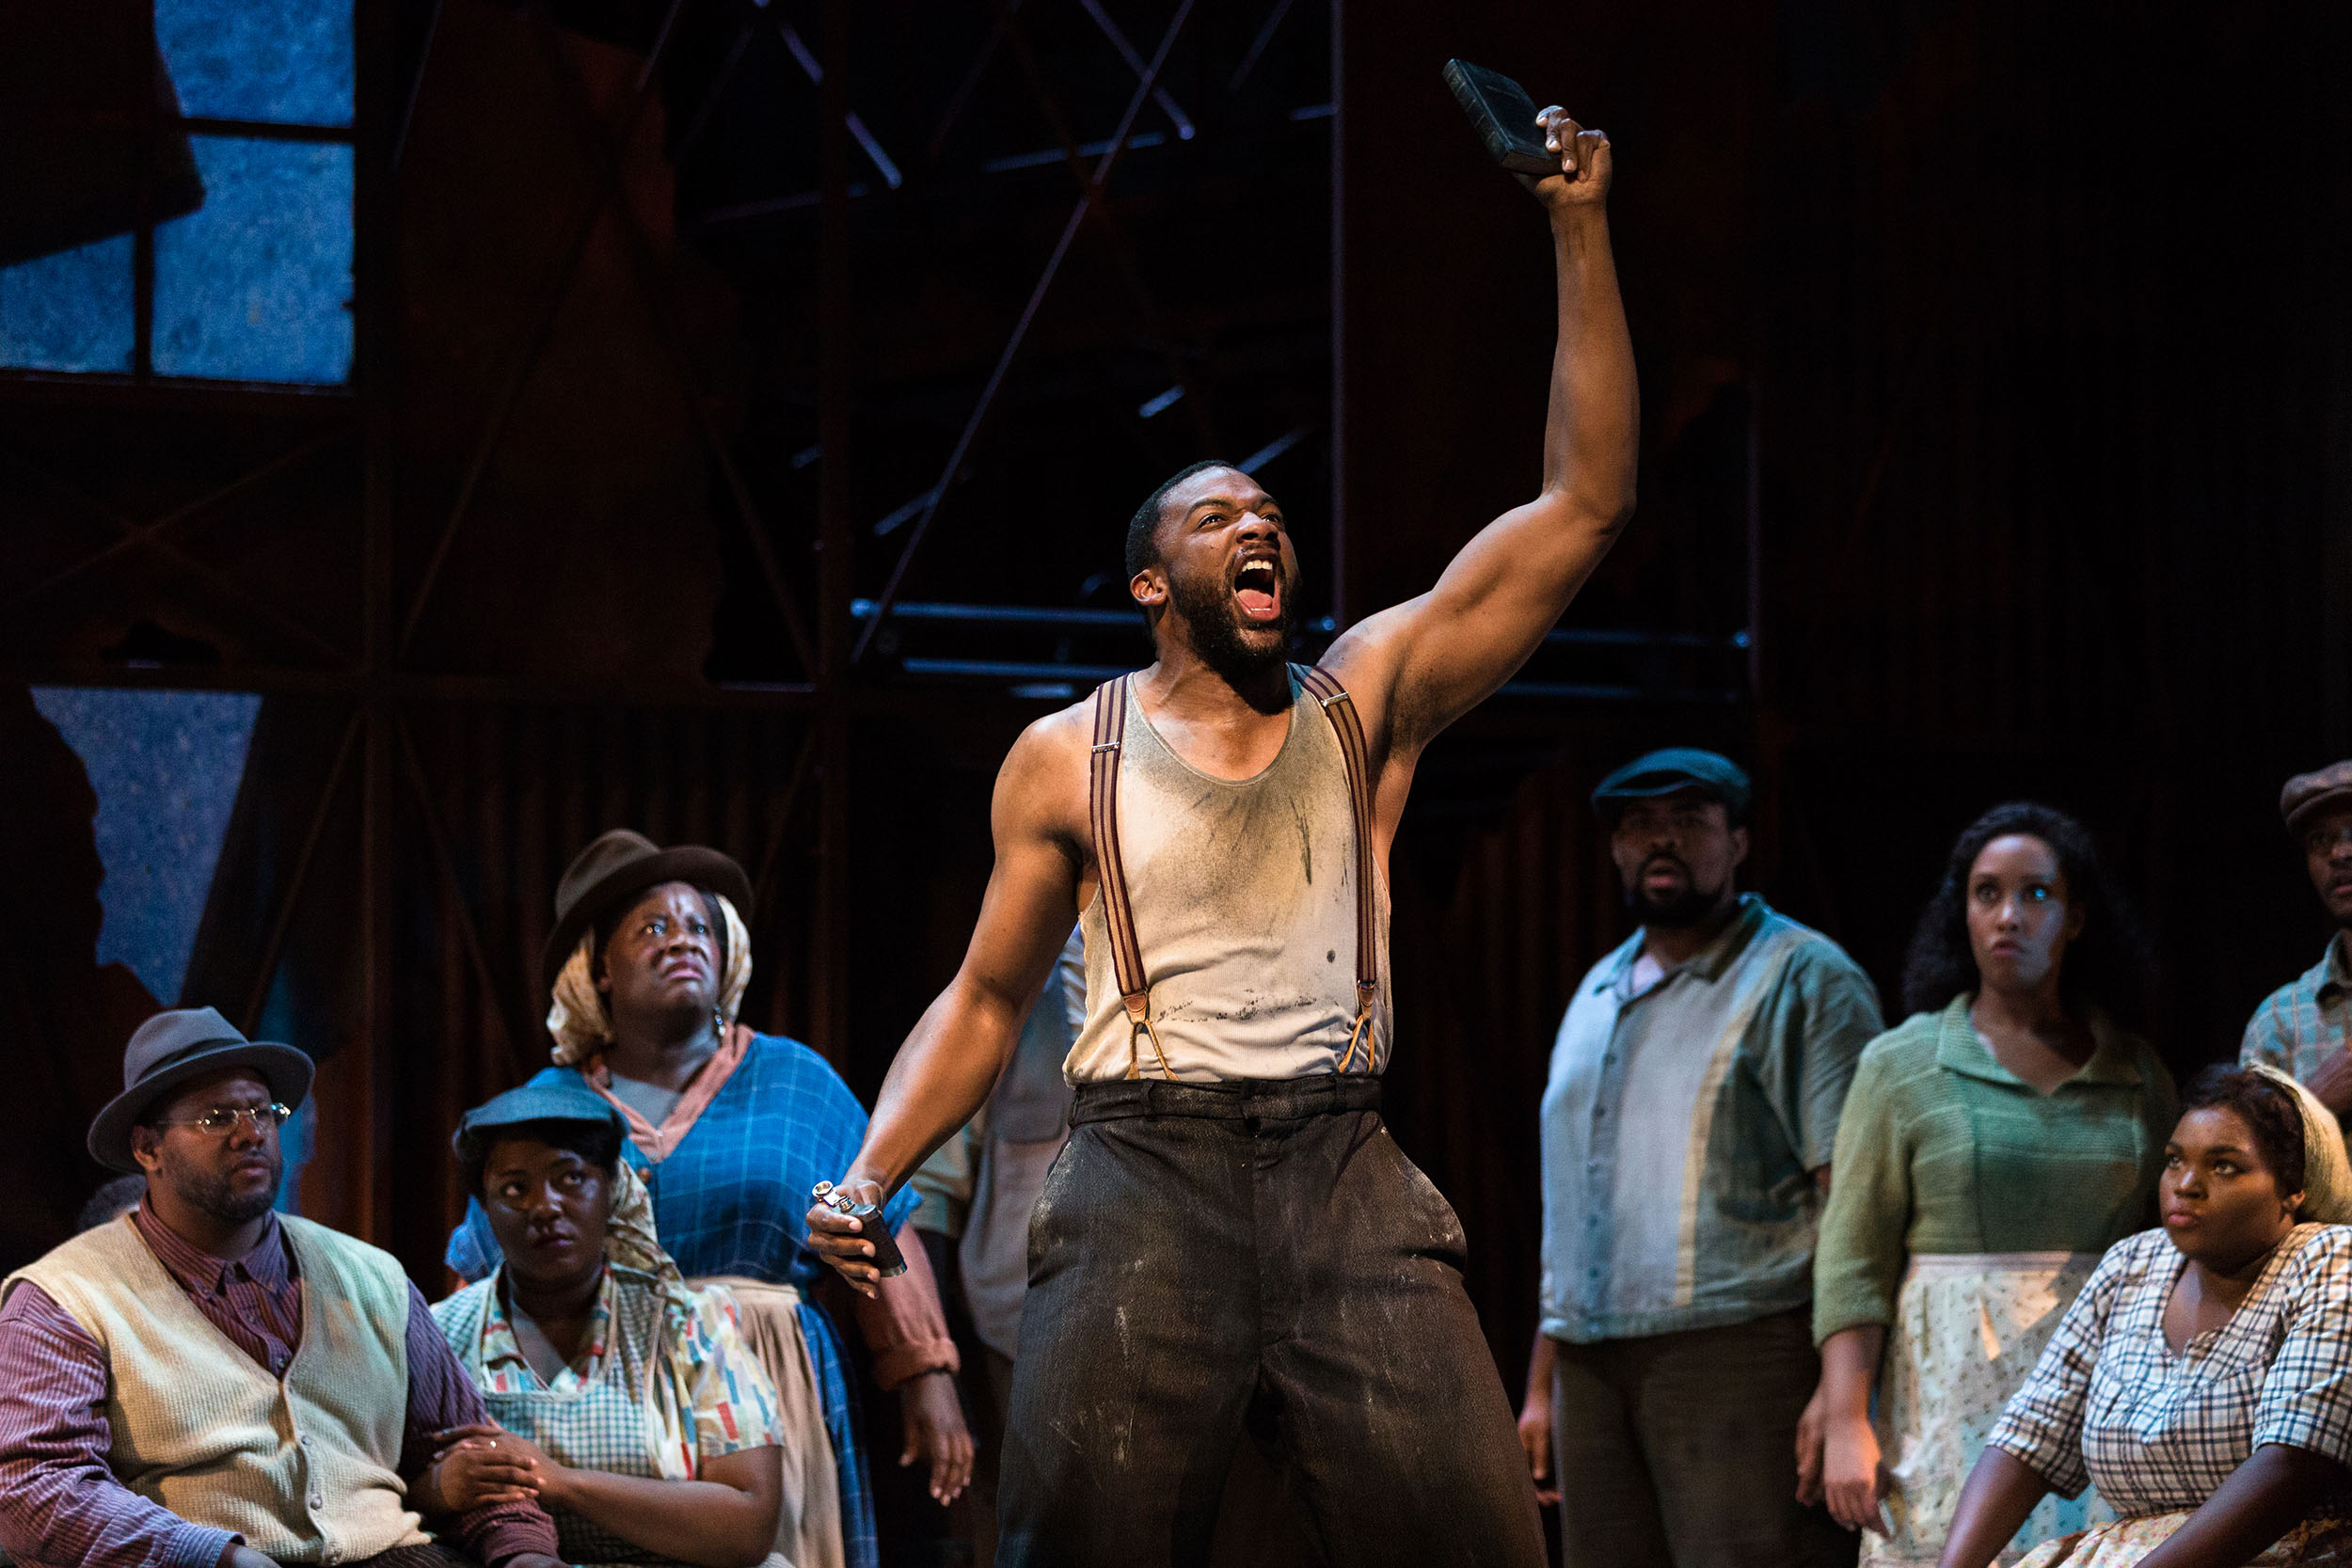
1992 1147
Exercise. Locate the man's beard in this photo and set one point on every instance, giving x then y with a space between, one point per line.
1689 907
208 1191
1208 608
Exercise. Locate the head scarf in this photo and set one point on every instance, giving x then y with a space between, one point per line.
630 1243
630 1240
2327 1170
577 1016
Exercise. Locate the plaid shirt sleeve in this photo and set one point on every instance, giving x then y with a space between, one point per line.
2042 1426
2306 1396
2269 1039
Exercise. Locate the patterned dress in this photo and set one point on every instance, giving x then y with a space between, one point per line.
2111 1404
732 1199
1966 1210
655 1392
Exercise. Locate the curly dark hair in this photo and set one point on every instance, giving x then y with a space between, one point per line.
2106 966
2270 1110
597 1142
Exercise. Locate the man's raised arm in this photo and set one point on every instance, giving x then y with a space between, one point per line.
951 1060
1439 655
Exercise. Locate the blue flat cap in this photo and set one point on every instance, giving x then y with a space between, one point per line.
1676 768
572 1102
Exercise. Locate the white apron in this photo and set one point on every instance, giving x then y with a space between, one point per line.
1968 1328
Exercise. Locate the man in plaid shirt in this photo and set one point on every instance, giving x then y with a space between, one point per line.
2304 1027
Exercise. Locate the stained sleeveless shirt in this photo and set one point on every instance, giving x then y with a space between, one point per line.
1244 910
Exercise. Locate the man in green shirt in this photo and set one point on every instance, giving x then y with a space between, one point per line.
1687 1128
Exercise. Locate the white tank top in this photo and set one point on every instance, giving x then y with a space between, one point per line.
1244 910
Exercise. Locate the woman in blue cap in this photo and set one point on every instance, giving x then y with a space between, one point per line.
1992 1147
729 1129
626 1401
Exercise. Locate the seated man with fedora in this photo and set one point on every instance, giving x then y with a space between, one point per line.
204 1382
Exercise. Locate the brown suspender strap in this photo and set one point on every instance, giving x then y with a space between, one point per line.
1119 916
1341 710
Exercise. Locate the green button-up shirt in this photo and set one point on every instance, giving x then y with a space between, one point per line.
1680 1125
1943 1150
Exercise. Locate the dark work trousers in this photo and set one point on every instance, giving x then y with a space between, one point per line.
1679 1450
1208 1255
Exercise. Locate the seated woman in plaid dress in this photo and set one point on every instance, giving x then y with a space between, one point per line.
626 1402
2202 1380
647 969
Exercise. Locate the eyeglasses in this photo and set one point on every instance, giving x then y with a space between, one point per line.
221 1120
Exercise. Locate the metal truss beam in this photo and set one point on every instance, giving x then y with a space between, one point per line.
1087 200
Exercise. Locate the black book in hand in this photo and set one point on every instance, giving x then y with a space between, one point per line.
1504 115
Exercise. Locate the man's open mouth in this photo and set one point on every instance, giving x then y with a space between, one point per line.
1258 588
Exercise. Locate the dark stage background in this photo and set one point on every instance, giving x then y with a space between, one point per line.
1997 399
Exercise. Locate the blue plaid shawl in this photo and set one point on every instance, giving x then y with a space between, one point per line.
732 1198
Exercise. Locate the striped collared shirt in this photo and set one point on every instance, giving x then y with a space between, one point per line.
1680 1125
2308 1019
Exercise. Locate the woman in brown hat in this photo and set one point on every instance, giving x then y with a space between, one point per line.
729 1129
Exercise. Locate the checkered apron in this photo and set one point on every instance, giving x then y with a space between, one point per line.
601 1424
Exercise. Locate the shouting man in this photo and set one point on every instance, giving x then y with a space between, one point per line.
1230 1235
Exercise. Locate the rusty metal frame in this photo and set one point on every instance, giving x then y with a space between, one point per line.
600 152
453 887
149 535
1089 199
1114 233
290 896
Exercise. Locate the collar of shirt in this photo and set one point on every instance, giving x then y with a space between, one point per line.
2114 1056
658 1143
2333 972
202 1274
504 1367
1707 963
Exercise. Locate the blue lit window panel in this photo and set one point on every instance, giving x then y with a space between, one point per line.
69 311
165 766
286 61
256 284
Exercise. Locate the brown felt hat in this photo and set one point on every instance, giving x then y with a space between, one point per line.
2307 793
620 865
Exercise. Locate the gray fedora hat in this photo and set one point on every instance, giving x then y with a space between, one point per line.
174 1047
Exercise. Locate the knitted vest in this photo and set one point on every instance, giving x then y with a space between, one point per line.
303 1470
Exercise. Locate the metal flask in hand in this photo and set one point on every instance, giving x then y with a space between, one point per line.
888 1261
1505 117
